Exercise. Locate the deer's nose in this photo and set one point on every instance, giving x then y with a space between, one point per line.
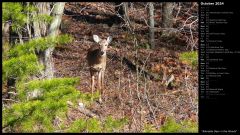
101 53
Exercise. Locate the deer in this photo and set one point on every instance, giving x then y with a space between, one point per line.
97 58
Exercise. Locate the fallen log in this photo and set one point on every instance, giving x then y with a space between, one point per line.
134 67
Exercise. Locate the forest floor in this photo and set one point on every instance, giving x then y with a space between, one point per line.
127 94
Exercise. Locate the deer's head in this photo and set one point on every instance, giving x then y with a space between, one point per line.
103 43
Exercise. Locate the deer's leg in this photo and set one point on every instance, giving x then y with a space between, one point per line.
92 84
103 79
99 80
100 85
102 82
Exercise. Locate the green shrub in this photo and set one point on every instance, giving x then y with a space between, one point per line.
171 126
38 114
190 58
40 101
148 128
22 61
48 87
20 67
77 126
39 44
14 11
17 13
189 126
112 125
93 125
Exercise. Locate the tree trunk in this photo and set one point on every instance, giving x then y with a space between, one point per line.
5 33
126 16
5 47
40 30
37 34
20 37
53 31
122 10
167 17
57 18
125 9
28 24
151 23
45 9
119 10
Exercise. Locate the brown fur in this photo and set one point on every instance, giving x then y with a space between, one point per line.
95 61
97 58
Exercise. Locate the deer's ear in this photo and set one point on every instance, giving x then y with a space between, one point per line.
109 39
96 38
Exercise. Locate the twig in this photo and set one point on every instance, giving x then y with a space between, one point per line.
179 9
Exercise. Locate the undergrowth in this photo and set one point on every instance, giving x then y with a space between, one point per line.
190 58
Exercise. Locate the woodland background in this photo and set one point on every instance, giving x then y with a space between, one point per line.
151 76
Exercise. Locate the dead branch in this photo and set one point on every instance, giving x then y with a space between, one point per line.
10 100
83 110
